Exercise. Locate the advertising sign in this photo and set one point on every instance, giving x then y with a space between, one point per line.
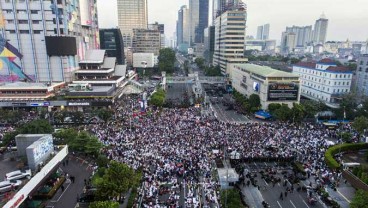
78 104
283 91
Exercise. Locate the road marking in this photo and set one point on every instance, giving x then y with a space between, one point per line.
279 204
304 202
265 182
292 204
265 164
255 164
62 193
278 184
343 196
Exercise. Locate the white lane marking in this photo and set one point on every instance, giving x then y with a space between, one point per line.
292 204
265 164
343 196
265 182
62 193
305 203
279 204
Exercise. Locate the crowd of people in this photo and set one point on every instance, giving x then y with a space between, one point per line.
176 148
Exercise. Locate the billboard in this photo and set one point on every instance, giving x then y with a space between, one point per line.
61 46
85 12
283 91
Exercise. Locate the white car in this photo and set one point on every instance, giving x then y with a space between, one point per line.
15 175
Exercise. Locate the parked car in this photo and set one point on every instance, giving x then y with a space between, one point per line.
6 186
18 174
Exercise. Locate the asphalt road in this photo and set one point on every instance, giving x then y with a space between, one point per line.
176 91
229 116
271 193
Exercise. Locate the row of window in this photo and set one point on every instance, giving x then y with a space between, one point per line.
34 31
361 69
324 73
326 88
362 63
20 11
316 96
324 81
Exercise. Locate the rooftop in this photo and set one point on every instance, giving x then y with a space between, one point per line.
94 56
265 70
27 85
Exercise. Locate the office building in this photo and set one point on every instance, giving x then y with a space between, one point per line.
202 22
209 42
132 14
221 6
229 39
272 85
324 81
320 30
263 32
288 42
111 40
362 75
46 39
183 29
194 20
303 35
261 45
161 28
146 41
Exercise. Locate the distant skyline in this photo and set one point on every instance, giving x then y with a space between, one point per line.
347 19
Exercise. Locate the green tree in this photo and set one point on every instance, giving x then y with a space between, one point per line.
158 98
213 71
166 60
65 136
105 114
360 199
86 143
78 117
283 113
200 62
102 161
104 204
254 101
360 124
346 137
272 107
298 112
117 180
36 127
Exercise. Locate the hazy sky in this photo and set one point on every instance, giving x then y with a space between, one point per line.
347 19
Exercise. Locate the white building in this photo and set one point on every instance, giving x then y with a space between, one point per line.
52 36
230 39
143 60
272 86
324 81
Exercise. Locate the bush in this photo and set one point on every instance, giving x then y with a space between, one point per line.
233 198
332 151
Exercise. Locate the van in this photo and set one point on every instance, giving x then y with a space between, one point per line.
15 175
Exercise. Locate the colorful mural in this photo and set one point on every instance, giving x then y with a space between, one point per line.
8 54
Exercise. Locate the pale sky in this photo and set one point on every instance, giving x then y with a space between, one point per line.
347 19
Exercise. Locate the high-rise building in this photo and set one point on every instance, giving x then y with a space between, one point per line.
161 28
303 35
146 41
111 41
288 42
132 14
362 75
203 21
183 29
46 38
320 30
263 32
194 19
209 42
221 6
229 39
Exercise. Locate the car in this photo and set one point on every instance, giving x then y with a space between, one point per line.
6 186
15 175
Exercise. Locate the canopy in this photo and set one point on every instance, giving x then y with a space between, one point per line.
262 115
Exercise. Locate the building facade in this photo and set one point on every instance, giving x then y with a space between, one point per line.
111 40
303 35
288 42
324 81
161 28
132 14
202 21
209 42
272 86
263 32
362 75
146 41
183 29
46 38
320 30
229 47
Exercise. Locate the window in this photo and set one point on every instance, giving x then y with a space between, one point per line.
10 21
37 31
21 12
35 22
11 31
24 31
23 21
34 12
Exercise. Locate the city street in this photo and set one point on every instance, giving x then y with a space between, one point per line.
225 115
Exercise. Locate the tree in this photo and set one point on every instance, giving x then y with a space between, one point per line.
104 204
360 199
166 60
200 62
298 112
36 127
86 143
158 98
254 101
65 136
105 114
273 107
117 180
360 124
213 71
283 113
